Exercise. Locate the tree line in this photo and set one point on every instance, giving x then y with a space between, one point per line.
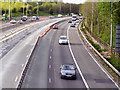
102 18
48 7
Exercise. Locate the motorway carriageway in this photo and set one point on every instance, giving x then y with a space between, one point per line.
48 56
7 28
18 33
14 61
5 25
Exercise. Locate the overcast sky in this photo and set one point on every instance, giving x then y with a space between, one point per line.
74 1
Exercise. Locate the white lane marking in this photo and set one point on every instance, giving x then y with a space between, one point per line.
51 50
99 64
16 79
49 66
79 70
22 65
50 80
50 57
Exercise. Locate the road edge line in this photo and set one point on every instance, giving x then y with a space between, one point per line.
79 70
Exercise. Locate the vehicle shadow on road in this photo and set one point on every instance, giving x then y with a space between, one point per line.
76 44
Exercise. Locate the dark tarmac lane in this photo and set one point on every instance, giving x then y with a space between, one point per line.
44 69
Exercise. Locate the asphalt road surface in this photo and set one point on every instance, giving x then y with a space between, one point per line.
13 63
44 69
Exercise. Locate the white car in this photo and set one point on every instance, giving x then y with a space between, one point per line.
60 15
13 21
33 18
73 19
63 40
20 21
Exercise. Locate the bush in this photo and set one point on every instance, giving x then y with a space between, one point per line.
95 46
115 62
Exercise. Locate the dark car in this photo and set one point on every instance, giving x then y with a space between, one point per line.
69 21
68 71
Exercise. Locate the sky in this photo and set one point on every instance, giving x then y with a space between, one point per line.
74 1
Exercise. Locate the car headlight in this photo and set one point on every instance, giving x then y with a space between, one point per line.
63 73
60 41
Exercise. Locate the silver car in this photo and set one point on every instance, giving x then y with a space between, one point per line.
20 21
68 71
72 25
63 40
13 21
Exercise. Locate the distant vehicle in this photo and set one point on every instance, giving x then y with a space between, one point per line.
68 71
74 17
20 21
33 18
63 40
60 15
24 18
77 21
81 17
77 18
72 25
37 18
80 14
50 17
69 21
55 16
13 21
55 26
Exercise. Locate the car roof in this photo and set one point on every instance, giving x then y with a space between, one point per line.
63 36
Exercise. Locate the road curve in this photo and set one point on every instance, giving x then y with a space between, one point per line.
49 55
95 75
45 66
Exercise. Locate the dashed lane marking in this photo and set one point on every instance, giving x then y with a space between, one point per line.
50 57
49 66
50 80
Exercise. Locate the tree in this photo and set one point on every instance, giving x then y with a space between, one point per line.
21 9
7 11
41 8
51 11
14 10
35 10
3 11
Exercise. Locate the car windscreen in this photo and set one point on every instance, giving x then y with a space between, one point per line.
68 68
64 38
